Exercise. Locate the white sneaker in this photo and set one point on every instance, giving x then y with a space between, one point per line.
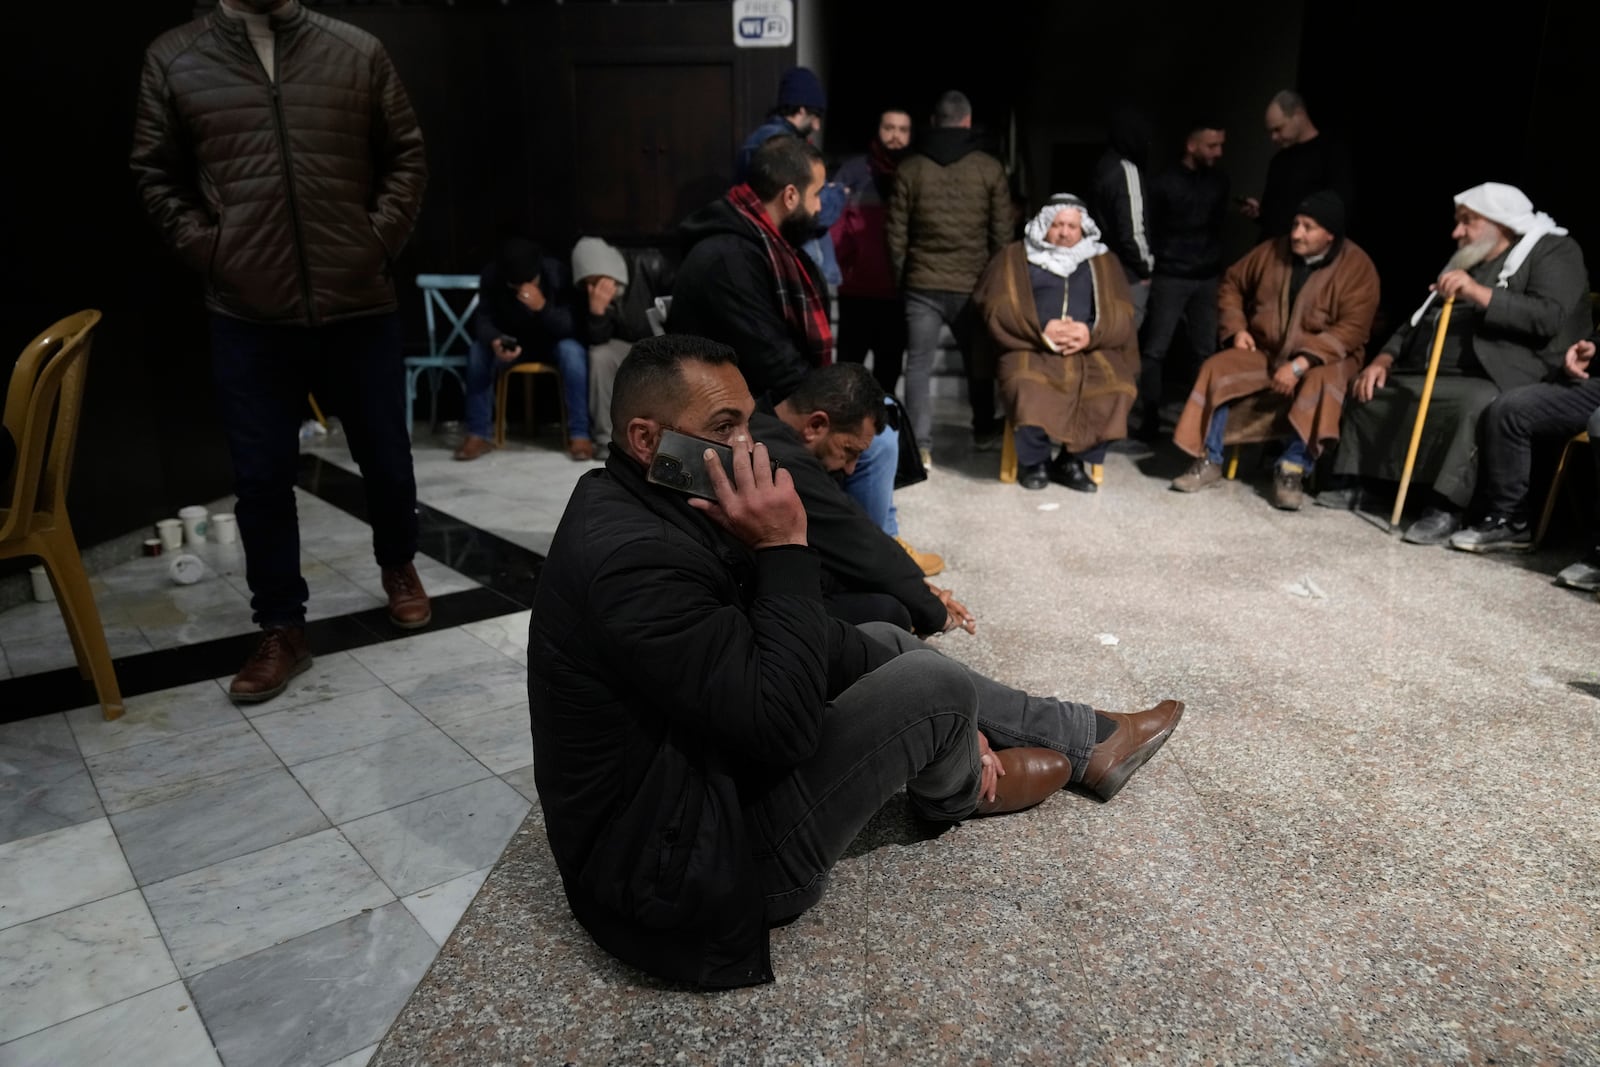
1584 574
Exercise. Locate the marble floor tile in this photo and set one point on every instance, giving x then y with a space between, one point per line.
62 869
451 695
35 656
322 996
507 634
32 622
178 765
335 674
501 740
440 837
213 824
35 800
436 578
385 775
521 780
158 1027
231 909
5 665
358 1058
299 735
440 907
152 716
36 742
73 962
408 659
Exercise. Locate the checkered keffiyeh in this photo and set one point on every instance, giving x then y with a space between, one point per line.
803 307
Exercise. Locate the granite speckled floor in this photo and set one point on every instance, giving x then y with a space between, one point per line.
1372 839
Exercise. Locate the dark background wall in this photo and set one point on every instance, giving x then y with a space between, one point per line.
552 120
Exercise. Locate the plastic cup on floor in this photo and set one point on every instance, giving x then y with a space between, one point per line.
43 592
224 528
171 533
194 524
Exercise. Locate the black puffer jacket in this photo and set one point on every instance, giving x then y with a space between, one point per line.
292 198
673 676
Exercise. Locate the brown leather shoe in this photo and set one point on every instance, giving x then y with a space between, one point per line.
1134 741
1032 774
473 447
581 449
409 608
281 654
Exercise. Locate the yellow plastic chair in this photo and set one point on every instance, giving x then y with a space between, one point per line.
42 407
1556 482
502 387
1008 461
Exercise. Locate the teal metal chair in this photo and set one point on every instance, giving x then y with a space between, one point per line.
448 339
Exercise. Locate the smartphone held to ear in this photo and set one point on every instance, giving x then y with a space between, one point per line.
680 464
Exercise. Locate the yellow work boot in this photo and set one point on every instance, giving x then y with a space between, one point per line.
931 563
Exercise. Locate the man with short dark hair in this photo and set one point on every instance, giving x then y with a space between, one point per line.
744 283
707 740
950 213
277 150
1307 161
1188 206
818 434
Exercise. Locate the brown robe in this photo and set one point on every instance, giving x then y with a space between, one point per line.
1079 400
1328 325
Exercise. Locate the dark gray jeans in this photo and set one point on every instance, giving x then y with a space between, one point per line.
926 311
909 723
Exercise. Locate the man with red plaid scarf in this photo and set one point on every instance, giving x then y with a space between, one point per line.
745 283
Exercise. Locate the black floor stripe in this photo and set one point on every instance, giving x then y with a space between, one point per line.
507 572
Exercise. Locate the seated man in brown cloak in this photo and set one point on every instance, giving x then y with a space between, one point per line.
1057 305
1297 311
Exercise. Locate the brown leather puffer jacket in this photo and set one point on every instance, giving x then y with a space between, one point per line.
292 198
950 213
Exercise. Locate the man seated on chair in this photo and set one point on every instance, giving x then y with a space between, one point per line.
1520 293
708 740
1563 408
524 315
745 283
1297 311
818 433
619 289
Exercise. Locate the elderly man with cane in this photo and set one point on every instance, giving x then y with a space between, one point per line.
1501 315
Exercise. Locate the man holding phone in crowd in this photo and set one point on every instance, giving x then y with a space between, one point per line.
707 740
525 314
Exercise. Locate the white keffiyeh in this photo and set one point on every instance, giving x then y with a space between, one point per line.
1511 208
1055 258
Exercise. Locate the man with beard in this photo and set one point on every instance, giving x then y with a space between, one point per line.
798 113
277 151
1520 291
745 283
1188 206
1296 312
872 315
951 212
1120 205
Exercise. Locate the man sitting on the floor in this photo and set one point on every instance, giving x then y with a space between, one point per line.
1297 311
1520 291
707 740
817 433
1558 409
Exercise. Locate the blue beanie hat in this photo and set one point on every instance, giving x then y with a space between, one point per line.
801 88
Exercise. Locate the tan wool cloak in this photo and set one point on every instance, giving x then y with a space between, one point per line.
1329 326
1079 400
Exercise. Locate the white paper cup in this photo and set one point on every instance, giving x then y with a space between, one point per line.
186 569
171 533
194 524
224 528
42 590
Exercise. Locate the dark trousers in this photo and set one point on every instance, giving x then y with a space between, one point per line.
911 723
927 310
1547 409
1033 448
879 326
263 374
1191 301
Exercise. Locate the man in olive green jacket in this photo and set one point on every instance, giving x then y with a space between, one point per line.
950 213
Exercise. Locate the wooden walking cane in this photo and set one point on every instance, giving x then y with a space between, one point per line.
1422 411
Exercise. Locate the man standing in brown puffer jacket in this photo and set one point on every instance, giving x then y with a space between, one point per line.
950 213
277 151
